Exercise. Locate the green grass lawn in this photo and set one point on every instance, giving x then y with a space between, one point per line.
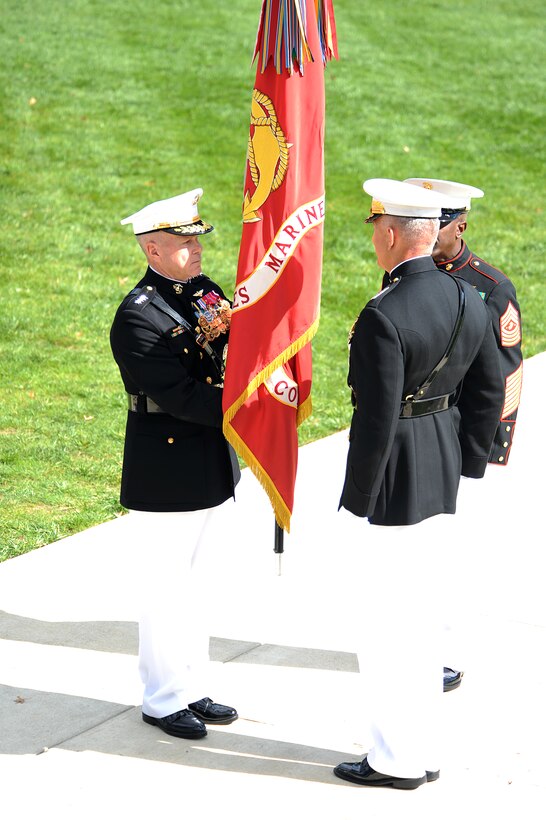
107 106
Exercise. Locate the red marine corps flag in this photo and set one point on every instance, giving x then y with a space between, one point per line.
277 295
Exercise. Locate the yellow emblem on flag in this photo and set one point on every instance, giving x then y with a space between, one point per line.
267 155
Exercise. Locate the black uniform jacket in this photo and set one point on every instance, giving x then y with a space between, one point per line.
499 294
177 460
403 470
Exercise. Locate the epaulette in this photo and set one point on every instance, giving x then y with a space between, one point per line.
164 318
390 287
483 267
139 298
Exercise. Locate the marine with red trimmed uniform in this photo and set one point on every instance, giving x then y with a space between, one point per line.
452 254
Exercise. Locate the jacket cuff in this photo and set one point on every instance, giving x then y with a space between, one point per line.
502 444
360 504
474 466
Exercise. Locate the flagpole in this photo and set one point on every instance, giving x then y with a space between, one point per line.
278 548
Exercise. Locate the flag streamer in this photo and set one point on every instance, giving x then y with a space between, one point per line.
283 34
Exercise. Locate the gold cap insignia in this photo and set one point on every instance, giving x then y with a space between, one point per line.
427 185
377 207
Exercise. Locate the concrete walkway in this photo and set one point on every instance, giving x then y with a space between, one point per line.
72 742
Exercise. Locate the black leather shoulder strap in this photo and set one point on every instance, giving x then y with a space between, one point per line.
159 302
424 387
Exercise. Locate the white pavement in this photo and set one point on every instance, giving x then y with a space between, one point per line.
72 743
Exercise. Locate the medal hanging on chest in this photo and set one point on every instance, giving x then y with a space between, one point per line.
213 315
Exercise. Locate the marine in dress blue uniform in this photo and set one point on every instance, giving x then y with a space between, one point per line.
427 391
169 338
453 255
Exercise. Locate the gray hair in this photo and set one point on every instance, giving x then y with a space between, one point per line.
416 231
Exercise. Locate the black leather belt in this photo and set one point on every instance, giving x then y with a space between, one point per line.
142 404
425 407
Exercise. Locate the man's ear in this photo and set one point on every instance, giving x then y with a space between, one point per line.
461 228
152 248
390 237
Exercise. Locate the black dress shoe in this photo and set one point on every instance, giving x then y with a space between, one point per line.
363 774
210 712
179 724
452 679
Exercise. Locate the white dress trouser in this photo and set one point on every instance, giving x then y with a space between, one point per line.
173 633
399 646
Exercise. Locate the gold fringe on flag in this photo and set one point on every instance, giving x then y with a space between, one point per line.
264 374
282 513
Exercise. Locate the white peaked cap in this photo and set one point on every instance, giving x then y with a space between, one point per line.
390 196
178 215
459 194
